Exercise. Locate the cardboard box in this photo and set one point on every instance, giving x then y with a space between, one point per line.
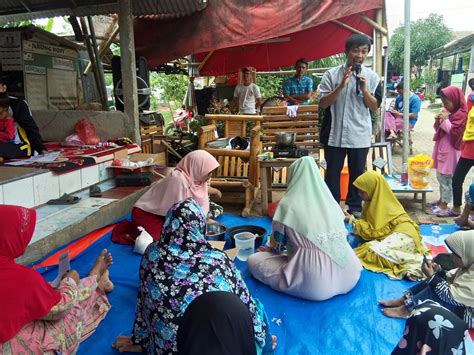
158 159
231 253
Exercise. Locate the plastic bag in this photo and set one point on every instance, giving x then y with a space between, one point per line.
86 131
143 240
419 169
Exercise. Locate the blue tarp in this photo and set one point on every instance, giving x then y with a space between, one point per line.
346 324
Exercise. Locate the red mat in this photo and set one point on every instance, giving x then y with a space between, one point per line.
77 247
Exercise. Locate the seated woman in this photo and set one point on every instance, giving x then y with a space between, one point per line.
394 244
188 179
174 271
432 329
219 323
453 290
35 318
319 262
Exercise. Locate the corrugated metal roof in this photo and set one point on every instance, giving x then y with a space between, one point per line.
21 10
459 46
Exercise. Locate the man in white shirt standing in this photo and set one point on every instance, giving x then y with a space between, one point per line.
349 91
247 95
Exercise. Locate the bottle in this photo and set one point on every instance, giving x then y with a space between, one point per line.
404 176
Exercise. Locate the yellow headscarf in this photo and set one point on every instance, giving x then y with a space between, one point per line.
469 131
462 285
383 214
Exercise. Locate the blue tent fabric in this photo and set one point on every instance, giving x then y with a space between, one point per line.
350 324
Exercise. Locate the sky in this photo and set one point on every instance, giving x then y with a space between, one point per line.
458 14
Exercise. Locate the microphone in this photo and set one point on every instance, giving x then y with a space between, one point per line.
357 68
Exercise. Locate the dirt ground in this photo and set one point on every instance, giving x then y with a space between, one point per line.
422 143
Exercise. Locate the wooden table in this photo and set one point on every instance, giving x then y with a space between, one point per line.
266 178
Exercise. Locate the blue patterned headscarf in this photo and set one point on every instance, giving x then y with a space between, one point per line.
174 271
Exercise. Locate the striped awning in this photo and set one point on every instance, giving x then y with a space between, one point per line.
22 10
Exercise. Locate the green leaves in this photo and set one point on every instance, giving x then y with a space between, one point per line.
426 35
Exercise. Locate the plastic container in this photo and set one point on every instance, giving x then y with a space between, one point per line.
245 241
404 176
344 183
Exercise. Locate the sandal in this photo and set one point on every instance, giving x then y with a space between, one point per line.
65 199
446 212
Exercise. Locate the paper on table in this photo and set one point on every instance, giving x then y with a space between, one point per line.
43 158
64 266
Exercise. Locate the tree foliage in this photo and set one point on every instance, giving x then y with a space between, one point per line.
270 85
172 87
426 35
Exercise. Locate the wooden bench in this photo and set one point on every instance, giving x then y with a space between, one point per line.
305 125
238 173
147 133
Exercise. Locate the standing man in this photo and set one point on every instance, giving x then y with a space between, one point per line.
22 115
298 88
349 91
247 95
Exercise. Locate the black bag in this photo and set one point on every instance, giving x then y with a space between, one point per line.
134 179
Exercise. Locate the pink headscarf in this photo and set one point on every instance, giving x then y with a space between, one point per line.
457 118
189 179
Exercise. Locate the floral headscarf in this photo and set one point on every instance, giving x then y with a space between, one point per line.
174 271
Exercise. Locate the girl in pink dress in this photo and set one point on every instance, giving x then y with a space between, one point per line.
449 126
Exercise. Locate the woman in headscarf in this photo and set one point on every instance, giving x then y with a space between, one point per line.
308 255
175 270
432 329
453 290
449 129
393 241
188 179
35 317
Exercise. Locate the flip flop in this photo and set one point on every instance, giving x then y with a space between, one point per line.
446 212
65 199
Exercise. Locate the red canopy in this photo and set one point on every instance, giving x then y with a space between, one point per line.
279 32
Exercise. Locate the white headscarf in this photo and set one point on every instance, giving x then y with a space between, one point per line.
462 285
309 208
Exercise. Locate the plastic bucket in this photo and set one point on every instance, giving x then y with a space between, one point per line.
344 183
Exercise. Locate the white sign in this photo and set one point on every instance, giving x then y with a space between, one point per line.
48 49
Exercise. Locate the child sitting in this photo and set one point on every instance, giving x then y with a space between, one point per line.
453 290
7 124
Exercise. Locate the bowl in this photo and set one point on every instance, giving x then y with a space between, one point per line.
215 231
259 231
285 139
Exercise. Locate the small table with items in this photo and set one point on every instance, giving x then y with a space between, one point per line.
266 167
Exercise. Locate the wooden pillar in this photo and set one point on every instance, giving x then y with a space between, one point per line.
379 44
128 65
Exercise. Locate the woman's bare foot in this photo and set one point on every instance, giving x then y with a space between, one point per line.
396 302
102 263
464 218
124 344
105 284
274 342
396 312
